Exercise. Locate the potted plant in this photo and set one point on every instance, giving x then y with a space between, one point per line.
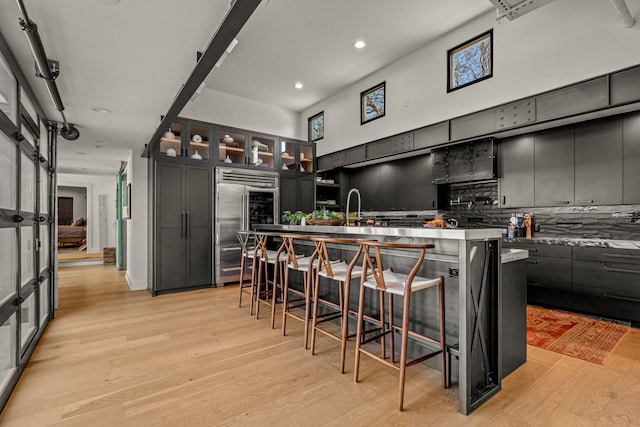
325 217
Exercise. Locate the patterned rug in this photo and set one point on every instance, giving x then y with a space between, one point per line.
572 334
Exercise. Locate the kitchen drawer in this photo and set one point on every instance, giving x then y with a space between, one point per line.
542 250
615 276
549 281
604 302
631 256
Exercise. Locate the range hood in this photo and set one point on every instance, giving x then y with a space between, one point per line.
468 162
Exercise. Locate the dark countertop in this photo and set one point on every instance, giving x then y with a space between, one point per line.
567 241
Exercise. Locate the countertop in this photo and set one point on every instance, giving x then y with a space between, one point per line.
426 233
598 243
510 255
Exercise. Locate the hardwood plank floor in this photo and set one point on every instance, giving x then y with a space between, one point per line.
115 357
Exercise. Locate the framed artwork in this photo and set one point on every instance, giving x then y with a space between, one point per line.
316 127
372 102
470 62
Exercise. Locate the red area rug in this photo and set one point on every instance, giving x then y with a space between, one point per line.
573 335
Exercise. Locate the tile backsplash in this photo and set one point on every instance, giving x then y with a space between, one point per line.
476 206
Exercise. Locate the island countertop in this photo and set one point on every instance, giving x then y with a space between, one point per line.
425 233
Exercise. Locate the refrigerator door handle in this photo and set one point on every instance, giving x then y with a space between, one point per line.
184 219
188 224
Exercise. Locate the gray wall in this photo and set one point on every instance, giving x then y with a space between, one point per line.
79 195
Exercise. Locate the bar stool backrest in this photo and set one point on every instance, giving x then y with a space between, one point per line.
247 241
324 262
377 268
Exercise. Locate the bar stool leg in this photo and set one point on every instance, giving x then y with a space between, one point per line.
242 261
259 287
285 301
391 339
403 350
345 325
359 327
382 323
446 379
314 317
276 267
254 284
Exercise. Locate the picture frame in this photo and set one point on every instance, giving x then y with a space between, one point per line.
315 127
470 62
372 103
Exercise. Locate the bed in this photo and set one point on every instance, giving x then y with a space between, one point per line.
74 234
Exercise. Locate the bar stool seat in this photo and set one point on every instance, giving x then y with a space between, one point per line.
340 270
386 282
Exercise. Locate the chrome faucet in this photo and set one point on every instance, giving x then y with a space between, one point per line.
357 218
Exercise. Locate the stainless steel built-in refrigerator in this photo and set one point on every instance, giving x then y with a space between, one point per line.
244 197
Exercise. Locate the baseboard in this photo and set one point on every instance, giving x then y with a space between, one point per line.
135 286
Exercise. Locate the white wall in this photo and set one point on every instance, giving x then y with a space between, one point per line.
561 43
218 107
137 251
79 196
95 185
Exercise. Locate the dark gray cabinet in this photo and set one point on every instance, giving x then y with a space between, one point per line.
631 158
425 195
389 186
516 172
554 166
575 99
429 136
183 230
624 86
598 162
514 316
355 154
474 124
297 193
390 146
367 180
605 282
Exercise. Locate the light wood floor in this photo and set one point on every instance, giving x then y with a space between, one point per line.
115 357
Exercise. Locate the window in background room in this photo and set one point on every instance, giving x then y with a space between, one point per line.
470 62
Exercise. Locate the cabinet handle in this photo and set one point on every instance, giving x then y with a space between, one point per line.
230 249
533 250
620 297
231 269
585 202
563 202
533 262
188 221
504 200
621 270
621 256
184 228
534 284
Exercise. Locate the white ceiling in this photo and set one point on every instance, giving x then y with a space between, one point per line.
131 57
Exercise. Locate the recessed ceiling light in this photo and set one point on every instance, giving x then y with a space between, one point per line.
99 147
100 110
360 44
298 85
81 153
100 141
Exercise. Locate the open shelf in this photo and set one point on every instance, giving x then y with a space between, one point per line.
171 140
199 144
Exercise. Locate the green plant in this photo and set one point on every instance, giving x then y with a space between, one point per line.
326 215
292 218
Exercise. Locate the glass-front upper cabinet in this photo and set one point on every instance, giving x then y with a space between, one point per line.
307 156
171 142
288 155
232 147
262 153
198 142
8 92
297 156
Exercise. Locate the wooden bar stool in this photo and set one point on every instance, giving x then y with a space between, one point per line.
341 272
387 282
306 265
247 241
266 257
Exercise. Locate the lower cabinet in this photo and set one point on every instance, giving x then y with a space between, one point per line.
598 281
605 282
183 232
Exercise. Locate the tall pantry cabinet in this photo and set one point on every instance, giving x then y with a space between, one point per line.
181 232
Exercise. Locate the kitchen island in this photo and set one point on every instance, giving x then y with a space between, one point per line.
470 262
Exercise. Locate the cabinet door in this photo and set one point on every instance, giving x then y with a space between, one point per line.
288 193
405 190
517 162
170 220
306 193
198 225
388 186
367 180
232 147
598 161
425 196
553 170
630 168
198 142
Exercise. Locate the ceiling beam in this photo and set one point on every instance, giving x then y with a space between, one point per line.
238 15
